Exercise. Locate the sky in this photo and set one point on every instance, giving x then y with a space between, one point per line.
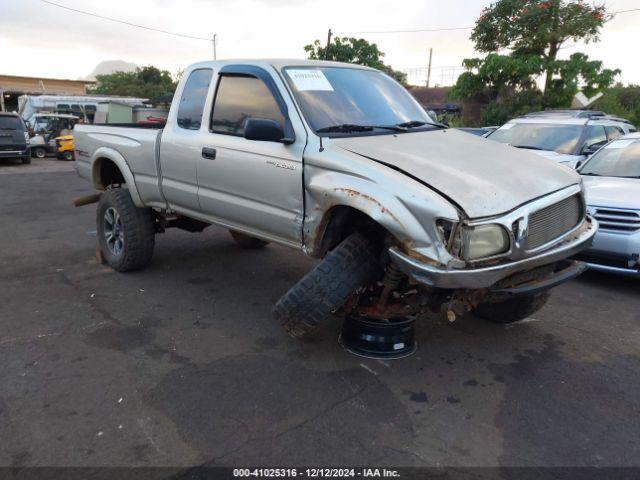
37 39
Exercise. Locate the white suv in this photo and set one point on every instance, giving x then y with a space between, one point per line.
566 136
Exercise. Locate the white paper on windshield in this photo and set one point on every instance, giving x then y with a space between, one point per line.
310 80
507 126
621 143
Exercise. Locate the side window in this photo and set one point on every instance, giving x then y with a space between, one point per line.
614 132
193 98
595 134
238 98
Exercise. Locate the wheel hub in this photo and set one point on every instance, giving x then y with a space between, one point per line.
113 233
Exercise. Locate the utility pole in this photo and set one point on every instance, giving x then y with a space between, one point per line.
326 50
213 43
429 68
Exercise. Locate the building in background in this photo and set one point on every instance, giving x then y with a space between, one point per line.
437 99
12 87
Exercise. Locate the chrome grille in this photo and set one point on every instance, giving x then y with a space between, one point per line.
553 221
617 220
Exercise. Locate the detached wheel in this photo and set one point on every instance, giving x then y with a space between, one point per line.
512 309
126 234
39 152
247 241
354 263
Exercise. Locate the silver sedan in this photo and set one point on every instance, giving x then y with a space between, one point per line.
612 185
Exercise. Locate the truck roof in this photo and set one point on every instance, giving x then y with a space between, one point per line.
277 63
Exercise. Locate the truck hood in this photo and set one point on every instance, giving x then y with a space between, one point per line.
612 192
481 176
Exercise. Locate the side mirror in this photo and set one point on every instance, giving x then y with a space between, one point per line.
591 149
265 130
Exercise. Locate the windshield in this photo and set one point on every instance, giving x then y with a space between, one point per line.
340 100
540 136
621 158
9 122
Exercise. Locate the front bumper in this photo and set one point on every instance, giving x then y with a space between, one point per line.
614 252
484 277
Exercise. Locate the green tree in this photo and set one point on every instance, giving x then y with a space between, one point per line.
534 27
533 31
147 82
623 102
353 50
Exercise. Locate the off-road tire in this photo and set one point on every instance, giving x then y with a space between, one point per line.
247 241
354 263
39 152
26 160
137 228
512 309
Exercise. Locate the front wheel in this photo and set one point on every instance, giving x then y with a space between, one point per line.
126 234
354 263
512 309
26 160
68 156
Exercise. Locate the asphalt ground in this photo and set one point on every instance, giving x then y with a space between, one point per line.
182 365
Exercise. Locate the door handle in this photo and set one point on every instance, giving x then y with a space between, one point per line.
209 153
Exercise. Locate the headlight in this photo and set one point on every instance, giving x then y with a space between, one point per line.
484 241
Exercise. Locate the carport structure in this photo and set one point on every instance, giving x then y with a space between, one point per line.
11 87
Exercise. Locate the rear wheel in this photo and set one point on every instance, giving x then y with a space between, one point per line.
512 309
68 156
247 241
126 234
354 263
39 152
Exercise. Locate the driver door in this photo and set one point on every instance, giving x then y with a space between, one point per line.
249 185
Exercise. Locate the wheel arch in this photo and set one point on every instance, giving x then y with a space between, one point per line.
110 168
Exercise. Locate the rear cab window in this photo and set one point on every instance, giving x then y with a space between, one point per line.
193 97
11 122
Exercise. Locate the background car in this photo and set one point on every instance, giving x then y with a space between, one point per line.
612 184
566 136
14 138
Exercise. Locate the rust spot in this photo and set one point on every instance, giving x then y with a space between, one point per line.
383 210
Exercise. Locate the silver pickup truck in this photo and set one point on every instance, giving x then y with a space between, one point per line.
339 161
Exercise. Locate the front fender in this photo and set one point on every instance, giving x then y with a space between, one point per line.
409 217
106 153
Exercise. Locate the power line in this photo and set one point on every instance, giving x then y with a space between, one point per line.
411 31
446 29
124 22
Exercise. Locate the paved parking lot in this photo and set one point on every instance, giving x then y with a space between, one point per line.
181 364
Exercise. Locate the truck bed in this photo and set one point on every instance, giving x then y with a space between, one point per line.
136 144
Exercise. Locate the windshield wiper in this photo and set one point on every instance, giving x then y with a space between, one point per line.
591 174
419 123
350 127
528 147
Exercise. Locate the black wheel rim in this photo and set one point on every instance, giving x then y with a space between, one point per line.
113 233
